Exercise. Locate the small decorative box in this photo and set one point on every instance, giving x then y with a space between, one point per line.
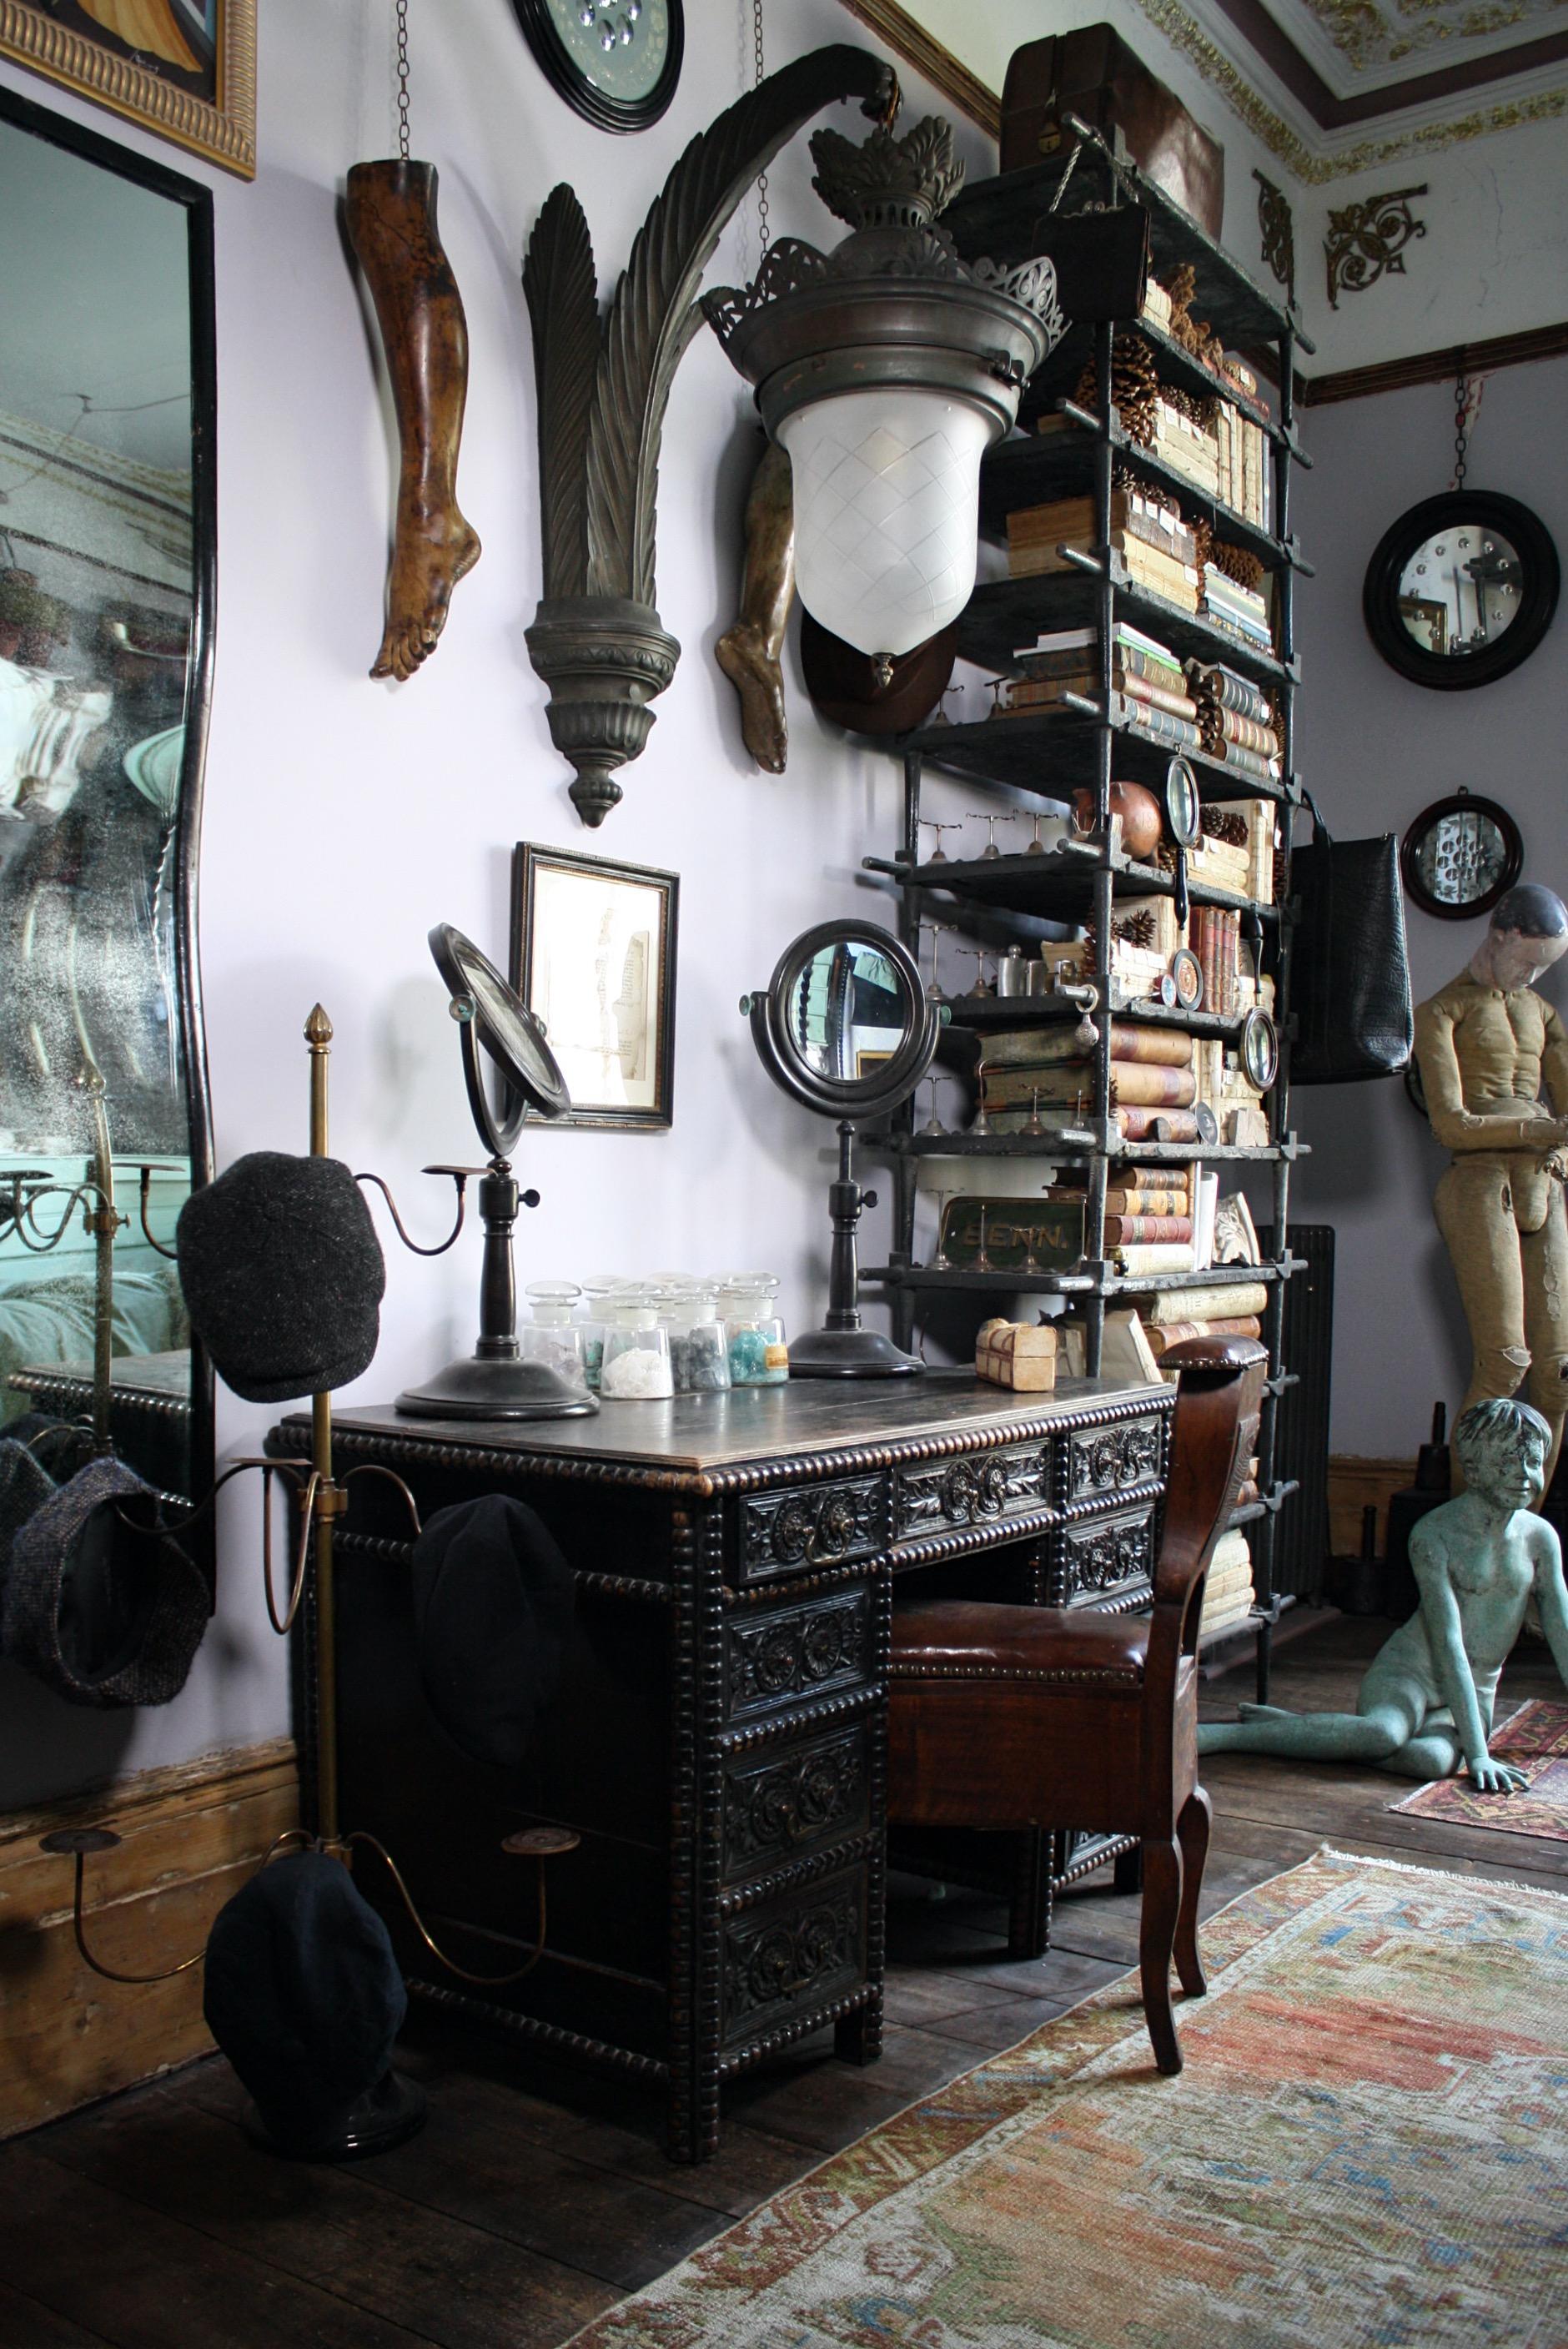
1017 1354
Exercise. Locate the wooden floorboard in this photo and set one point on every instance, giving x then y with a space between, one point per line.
538 2195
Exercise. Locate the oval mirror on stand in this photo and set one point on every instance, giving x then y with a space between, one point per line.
846 1028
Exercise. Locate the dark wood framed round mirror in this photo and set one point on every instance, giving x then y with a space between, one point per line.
1461 589
1460 855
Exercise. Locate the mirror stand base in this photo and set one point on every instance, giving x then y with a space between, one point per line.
478 1386
850 1354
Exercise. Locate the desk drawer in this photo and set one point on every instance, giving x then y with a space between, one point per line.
795 1953
1107 1559
786 1805
1107 1460
788 1653
978 1488
814 1525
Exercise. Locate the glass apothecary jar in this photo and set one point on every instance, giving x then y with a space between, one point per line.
699 1343
593 1319
551 1336
636 1361
753 1330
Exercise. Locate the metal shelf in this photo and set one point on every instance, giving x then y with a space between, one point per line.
1015 1277
1002 613
1031 470
1074 1141
1052 886
1053 753
984 1012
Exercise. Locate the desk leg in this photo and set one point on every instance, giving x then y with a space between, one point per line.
858 2038
697 1542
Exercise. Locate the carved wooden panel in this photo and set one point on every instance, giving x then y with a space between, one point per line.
798 1952
798 1651
790 1804
820 1525
1100 1559
974 1490
1107 1459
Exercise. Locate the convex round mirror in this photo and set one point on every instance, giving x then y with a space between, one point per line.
511 1036
846 1027
1460 589
1460 855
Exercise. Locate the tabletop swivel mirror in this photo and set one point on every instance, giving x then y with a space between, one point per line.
847 1028
494 1381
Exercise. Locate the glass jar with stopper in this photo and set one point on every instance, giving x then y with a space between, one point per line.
593 1319
554 1337
699 1344
637 1363
753 1329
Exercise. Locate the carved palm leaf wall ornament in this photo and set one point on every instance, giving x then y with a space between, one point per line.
597 641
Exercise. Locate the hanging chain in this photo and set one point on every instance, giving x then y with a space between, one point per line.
403 80
763 232
1464 416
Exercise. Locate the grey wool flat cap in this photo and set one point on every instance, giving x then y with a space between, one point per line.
283 1274
97 1603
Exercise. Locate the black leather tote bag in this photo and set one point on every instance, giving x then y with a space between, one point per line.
1350 977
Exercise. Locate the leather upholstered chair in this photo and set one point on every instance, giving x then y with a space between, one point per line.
1010 1717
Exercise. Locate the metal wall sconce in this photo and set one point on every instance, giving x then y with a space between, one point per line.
891 326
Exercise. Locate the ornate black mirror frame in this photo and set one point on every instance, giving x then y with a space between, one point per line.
1468 803
1542 574
196 204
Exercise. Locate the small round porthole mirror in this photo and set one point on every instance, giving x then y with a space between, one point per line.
1460 589
1459 856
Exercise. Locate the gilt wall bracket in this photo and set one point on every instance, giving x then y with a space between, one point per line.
604 383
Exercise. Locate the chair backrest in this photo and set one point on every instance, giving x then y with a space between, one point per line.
1218 1402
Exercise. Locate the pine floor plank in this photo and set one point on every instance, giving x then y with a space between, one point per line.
26 2325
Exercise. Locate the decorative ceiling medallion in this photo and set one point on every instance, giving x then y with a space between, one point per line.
1278 232
1367 240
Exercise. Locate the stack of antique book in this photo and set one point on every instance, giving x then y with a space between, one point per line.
1156 548
1148 1216
1242 610
1156 699
1214 934
1028 1075
1228 1585
1235 722
1245 480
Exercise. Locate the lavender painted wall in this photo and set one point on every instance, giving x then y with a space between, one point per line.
1375 751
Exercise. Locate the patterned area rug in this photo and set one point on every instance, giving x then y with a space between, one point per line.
1366 2146
1536 1739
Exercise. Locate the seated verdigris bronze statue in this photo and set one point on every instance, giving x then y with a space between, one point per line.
1426 1705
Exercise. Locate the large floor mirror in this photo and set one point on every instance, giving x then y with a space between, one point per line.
108 549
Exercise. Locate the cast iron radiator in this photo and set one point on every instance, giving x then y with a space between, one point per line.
1301 1429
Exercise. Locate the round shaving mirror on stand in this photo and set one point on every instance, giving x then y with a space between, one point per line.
847 1028
494 1381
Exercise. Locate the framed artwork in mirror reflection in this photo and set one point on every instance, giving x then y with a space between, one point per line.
184 68
594 958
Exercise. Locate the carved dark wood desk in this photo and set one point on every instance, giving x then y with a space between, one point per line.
718 1738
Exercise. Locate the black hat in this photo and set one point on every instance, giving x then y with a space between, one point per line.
492 1603
304 1996
102 1610
25 1485
283 1273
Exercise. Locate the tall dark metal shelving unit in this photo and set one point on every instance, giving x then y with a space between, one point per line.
1052 756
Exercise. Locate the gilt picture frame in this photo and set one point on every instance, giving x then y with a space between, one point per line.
183 68
594 958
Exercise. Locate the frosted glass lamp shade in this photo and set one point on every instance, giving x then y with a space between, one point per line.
887 507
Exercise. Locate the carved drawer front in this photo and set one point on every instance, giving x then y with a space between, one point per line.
813 1526
794 1954
1103 1561
978 1488
793 1653
1108 1459
791 1803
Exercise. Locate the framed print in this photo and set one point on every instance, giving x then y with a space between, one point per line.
184 68
594 958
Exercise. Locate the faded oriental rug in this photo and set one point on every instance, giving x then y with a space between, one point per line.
1535 1739
1366 2146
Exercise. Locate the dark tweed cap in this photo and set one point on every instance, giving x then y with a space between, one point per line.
304 1996
102 1611
492 1603
25 1485
283 1273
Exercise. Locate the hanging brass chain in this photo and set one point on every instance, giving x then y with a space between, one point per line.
403 80
763 231
1461 428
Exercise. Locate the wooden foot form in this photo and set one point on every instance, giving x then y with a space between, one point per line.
1192 1825
1156 1937
392 228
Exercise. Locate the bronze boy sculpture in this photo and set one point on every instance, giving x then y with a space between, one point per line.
1426 1703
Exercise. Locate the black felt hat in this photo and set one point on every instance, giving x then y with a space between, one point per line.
25 1485
283 1273
98 1604
492 1603
304 1996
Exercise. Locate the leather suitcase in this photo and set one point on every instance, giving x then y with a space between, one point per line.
1093 74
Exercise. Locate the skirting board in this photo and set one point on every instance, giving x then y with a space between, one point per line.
190 1835
1353 1483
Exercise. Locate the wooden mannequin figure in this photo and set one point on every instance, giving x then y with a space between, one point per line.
749 652
1493 1060
392 228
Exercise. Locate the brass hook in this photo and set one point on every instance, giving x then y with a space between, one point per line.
460 1176
77 1842
146 1233
374 1468
537 1844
